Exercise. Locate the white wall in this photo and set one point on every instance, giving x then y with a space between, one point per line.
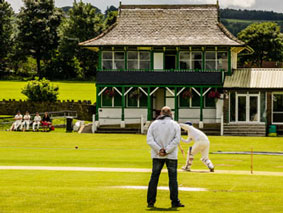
193 115
112 116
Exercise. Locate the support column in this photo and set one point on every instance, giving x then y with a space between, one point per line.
176 114
201 108
98 105
123 109
151 60
149 108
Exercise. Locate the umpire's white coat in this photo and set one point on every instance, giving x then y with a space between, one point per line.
164 134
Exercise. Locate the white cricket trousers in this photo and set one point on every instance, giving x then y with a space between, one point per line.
25 123
35 123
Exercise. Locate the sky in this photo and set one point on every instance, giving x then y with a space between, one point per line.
269 5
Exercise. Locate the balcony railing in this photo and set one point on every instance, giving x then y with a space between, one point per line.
160 77
163 70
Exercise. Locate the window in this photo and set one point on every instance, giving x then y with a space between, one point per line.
113 60
139 60
197 60
136 98
210 60
222 61
277 108
111 98
185 60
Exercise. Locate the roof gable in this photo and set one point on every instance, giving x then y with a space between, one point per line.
166 25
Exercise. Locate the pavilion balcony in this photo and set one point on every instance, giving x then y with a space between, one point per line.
160 77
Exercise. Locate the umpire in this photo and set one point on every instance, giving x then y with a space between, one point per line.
163 137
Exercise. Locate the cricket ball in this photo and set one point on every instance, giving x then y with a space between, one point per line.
76 147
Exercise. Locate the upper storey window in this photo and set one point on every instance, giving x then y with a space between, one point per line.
138 60
113 60
190 60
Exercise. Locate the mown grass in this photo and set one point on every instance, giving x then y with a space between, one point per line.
68 90
67 191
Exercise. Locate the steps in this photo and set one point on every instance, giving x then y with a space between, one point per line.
257 130
116 129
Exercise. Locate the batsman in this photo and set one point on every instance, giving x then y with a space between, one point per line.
201 144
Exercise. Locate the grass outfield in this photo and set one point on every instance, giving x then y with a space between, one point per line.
76 191
68 90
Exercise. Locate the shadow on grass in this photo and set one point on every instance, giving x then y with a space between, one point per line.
163 209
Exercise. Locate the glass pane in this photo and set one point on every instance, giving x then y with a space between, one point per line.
143 100
253 108
196 55
144 65
278 103
117 100
133 55
107 55
185 65
145 56
222 55
119 55
195 99
106 100
210 65
232 106
184 56
133 65
242 108
197 65
107 65
210 55
262 107
209 102
119 65
278 117
132 102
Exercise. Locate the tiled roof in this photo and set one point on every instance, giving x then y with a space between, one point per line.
255 78
166 25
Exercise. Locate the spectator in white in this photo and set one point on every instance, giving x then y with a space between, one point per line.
163 137
26 122
17 123
201 145
36 121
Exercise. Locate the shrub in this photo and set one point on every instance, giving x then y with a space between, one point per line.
40 90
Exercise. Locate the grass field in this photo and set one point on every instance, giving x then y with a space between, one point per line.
77 191
67 90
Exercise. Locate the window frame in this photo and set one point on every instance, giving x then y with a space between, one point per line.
139 59
272 112
113 60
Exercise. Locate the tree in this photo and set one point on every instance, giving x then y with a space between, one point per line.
41 90
110 19
38 23
266 41
82 23
6 30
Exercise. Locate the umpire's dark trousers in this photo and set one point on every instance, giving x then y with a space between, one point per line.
157 165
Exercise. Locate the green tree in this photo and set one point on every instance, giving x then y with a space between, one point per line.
38 23
110 18
265 39
40 90
6 14
83 22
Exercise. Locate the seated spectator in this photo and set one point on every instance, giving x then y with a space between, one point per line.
18 120
36 121
46 122
26 122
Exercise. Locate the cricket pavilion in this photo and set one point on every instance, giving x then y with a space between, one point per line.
174 55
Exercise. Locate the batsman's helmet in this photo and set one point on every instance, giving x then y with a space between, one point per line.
189 123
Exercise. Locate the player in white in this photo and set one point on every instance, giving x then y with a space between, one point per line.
201 144
26 122
36 121
18 121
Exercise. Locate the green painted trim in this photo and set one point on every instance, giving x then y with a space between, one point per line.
203 59
149 108
201 104
99 60
126 59
176 114
151 60
123 104
229 63
98 103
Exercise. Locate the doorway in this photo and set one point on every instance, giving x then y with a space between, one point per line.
247 108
